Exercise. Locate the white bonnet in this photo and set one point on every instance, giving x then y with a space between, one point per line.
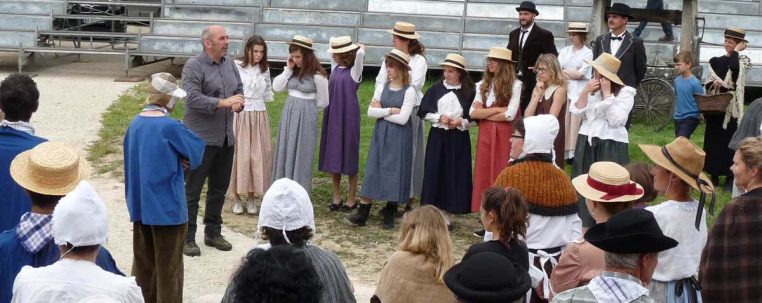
286 206
80 218
540 133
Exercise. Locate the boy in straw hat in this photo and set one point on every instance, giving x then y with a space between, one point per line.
47 172
677 169
157 152
80 228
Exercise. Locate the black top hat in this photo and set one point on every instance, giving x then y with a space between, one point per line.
619 9
633 231
528 6
487 277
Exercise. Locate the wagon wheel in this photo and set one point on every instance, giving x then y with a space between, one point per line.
654 103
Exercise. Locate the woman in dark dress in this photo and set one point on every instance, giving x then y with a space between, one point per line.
447 168
727 73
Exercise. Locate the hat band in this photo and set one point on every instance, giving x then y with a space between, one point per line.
398 58
699 181
456 63
577 29
304 43
399 31
734 34
614 191
341 46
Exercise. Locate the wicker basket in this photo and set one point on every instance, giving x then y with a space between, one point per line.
713 104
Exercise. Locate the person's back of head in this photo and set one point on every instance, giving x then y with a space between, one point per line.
424 231
19 97
280 274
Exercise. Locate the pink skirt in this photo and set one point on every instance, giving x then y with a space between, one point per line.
252 164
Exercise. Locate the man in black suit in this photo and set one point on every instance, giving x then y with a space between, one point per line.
623 45
527 43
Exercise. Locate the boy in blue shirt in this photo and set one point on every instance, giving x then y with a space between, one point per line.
686 109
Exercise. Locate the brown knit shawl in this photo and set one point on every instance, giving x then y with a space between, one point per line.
547 189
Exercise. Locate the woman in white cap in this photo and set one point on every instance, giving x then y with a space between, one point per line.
157 152
390 155
578 72
286 218
405 38
604 105
80 227
340 138
252 163
307 86
447 180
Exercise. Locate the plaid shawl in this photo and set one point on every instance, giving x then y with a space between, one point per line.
731 264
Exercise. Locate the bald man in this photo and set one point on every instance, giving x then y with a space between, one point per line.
214 92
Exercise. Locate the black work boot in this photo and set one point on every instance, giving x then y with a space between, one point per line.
361 216
389 212
218 242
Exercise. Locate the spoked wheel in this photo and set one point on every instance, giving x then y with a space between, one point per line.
654 103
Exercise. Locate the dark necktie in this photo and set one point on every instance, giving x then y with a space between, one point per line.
521 38
616 38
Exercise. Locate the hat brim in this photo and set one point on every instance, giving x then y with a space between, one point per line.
501 58
473 295
414 36
604 72
398 60
452 65
19 173
584 189
737 38
534 11
300 45
345 49
635 243
654 153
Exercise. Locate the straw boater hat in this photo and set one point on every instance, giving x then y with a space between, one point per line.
736 33
455 60
50 168
578 27
404 30
607 65
342 44
399 56
162 87
301 41
607 182
501 53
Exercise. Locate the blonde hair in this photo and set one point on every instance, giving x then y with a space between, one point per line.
554 69
750 151
503 80
424 232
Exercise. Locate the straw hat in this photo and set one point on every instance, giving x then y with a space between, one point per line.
50 168
399 56
736 33
301 41
405 30
501 53
455 60
684 159
342 44
607 182
607 65
578 27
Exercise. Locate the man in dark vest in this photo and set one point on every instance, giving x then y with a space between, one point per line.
527 43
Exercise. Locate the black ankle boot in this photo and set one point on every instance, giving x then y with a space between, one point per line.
361 216
389 212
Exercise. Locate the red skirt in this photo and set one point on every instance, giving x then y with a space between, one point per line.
493 148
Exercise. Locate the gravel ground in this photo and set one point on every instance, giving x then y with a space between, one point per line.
73 95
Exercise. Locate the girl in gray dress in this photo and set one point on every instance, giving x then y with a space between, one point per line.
307 87
390 156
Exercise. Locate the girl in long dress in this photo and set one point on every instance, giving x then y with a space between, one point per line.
307 87
549 98
340 138
387 171
252 164
495 107
572 59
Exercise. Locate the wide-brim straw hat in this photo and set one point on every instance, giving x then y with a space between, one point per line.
400 56
405 30
578 27
50 168
684 159
501 53
341 45
455 60
736 33
301 41
607 182
607 65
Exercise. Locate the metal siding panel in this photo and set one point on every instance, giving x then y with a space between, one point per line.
240 14
174 28
344 5
430 23
311 17
489 10
442 8
579 14
216 2
188 46
12 39
484 42
25 22
280 32
32 7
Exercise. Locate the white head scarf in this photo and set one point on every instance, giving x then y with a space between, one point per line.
286 206
160 83
540 133
80 218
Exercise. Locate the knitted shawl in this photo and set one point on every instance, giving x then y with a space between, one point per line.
546 188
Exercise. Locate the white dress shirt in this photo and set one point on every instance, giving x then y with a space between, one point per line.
418 68
405 111
449 105
605 119
615 44
280 83
356 71
676 220
575 60
257 87
513 104
524 39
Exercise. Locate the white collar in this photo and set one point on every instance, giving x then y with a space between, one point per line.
620 35
448 86
549 91
19 125
528 29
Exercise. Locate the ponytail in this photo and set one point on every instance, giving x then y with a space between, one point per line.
511 212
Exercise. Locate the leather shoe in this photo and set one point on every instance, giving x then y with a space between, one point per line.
190 249
218 242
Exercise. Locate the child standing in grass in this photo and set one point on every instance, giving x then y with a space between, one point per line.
686 108
549 98
252 164
340 138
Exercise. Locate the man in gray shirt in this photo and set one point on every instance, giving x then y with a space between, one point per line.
214 92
